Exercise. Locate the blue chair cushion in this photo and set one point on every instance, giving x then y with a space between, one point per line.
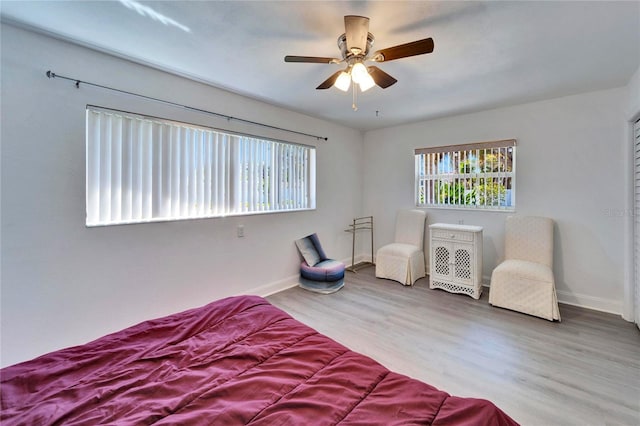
326 270
316 243
308 251
311 250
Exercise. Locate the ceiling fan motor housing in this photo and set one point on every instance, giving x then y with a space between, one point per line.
347 54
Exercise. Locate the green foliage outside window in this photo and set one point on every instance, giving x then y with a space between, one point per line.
492 194
455 193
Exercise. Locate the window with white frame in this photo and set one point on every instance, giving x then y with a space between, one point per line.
145 169
470 176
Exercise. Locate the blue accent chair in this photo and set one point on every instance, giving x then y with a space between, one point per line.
317 272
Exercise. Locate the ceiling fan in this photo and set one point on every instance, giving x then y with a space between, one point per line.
355 45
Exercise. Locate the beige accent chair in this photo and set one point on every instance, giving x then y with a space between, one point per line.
524 282
403 260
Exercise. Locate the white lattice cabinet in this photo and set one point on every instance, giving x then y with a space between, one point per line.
456 258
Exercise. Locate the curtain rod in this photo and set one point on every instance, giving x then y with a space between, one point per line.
51 74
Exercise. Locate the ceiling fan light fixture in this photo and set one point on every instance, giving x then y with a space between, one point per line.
359 72
366 82
343 81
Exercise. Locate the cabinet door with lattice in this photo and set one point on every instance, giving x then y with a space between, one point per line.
463 264
442 260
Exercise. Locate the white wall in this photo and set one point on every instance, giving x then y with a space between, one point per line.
64 284
633 94
570 167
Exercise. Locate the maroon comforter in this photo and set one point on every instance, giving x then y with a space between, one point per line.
235 361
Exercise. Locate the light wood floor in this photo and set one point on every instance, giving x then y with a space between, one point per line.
582 371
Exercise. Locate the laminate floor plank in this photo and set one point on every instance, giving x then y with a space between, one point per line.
584 370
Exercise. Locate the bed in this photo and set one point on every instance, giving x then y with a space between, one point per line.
239 360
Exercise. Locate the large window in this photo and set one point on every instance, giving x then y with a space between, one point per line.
472 176
142 169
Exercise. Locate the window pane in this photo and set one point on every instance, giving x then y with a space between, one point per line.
142 169
480 176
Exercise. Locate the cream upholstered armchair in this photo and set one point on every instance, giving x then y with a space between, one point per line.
403 260
524 282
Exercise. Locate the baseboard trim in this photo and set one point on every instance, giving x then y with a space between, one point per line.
292 281
358 259
275 287
590 302
580 300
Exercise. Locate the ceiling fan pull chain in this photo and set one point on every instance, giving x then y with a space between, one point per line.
354 105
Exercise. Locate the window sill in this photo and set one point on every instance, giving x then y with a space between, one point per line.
469 209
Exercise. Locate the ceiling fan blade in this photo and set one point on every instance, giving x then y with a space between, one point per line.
311 59
329 82
381 78
356 30
419 47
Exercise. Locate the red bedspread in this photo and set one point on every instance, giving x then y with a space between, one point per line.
235 361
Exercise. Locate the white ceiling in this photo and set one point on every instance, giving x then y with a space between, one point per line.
487 53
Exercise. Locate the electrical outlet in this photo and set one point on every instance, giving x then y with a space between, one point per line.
240 231
461 222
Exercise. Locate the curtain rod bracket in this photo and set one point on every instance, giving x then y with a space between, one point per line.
51 74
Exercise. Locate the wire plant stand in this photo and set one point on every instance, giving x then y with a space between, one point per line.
364 223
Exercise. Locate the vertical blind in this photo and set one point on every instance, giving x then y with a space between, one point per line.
142 169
